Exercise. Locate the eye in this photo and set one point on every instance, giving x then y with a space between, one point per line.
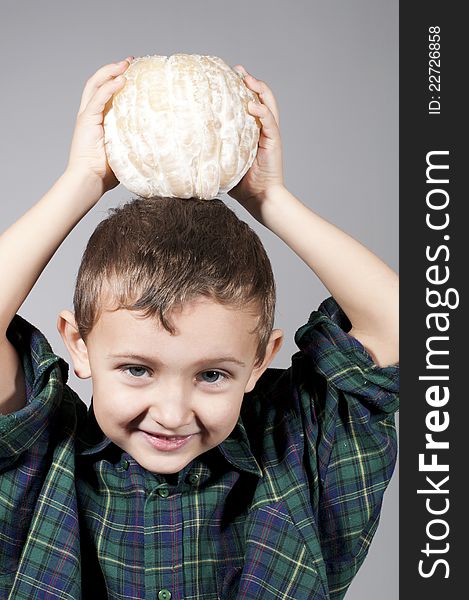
134 368
213 377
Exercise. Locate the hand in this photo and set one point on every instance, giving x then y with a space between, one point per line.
266 171
87 154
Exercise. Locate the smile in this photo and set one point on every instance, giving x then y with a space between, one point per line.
166 443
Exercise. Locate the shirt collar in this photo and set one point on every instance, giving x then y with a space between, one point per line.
91 439
235 448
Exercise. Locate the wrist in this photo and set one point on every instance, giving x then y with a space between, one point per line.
259 204
275 201
91 187
273 194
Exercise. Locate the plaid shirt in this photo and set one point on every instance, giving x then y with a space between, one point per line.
285 507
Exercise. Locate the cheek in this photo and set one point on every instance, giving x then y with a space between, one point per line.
220 414
115 406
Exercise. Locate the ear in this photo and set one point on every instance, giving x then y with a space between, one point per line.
274 345
76 347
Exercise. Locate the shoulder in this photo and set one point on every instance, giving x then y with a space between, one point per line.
52 411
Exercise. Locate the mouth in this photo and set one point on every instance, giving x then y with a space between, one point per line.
167 442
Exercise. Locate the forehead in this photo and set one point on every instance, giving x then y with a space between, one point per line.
202 325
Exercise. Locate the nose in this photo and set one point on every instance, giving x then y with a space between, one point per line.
173 410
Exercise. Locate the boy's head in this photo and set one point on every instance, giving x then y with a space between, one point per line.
187 288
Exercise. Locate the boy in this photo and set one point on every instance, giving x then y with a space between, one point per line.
198 472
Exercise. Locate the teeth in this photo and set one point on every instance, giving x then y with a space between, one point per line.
169 438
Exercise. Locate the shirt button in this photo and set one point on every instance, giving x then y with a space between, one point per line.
193 478
125 464
164 493
164 595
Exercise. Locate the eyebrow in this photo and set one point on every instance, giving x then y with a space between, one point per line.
149 359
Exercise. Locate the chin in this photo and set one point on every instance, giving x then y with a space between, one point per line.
167 470
164 465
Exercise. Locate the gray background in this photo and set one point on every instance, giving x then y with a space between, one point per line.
333 67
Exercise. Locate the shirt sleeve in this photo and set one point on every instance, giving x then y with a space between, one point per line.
45 379
348 405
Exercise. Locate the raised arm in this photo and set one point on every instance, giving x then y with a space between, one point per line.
27 246
363 285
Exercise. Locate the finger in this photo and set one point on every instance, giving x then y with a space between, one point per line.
269 124
101 76
96 104
241 70
264 92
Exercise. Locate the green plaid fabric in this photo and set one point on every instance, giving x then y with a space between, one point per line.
286 507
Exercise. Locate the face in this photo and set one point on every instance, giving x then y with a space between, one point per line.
166 399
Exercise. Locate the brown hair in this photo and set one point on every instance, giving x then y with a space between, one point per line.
155 254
